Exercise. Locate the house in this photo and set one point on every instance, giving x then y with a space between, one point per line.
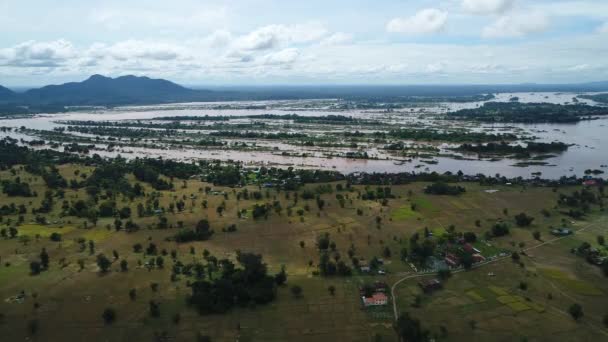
590 182
561 232
430 285
376 299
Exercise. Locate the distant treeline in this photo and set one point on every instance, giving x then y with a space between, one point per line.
12 109
434 135
516 112
505 148
324 119
601 98
257 135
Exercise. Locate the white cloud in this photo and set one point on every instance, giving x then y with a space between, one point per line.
283 57
219 38
272 36
136 49
435 67
37 54
485 7
517 25
603 28
338 38
428 20
579 67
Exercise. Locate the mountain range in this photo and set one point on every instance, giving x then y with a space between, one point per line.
99 90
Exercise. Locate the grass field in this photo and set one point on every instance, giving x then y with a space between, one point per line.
70 300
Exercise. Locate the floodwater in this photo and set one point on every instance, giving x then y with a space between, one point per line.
589 138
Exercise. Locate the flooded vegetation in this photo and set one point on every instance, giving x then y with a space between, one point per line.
510 134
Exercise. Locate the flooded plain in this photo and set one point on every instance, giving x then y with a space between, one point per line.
588 139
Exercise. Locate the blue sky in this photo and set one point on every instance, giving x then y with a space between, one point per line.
305 42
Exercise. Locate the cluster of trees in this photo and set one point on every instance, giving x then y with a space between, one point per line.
506 148
40 265
435 135
236 286
528 112
498 229
16 188
441 188
523 220
421 250
327 266
201 232
580 202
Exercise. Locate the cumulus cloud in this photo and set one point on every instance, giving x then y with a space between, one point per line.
272 36
283 57
136 49
517 25
37 54
428 20
484 7
603 28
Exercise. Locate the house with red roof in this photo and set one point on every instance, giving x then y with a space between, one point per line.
376 299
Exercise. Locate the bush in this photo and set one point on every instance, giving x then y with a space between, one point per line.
55 237
523 220
109 315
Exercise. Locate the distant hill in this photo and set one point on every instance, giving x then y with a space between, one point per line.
101 90
132 90
6 94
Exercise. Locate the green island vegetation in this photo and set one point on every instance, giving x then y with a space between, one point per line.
517 112
436 135
504 148
154 249
601 98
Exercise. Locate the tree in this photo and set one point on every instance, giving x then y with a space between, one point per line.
55 237
109 315
536 235
35 267
523 220
44 259
281 277
296 291
332 290
409 329
124 265
32 326
103 263
470 237
576 311
133 294
601 240
154 309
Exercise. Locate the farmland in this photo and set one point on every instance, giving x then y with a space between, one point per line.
66 301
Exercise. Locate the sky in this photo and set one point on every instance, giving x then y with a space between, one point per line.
299 42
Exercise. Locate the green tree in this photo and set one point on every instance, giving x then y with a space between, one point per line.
103 263
409 329
296 291
576 311
109 315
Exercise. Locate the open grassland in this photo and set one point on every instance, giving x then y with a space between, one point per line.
67 300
